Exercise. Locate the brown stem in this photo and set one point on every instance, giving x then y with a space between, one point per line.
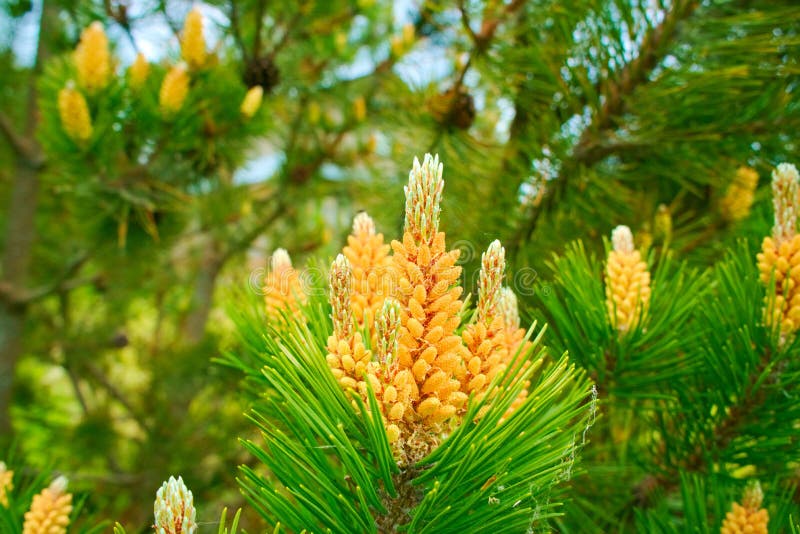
398 510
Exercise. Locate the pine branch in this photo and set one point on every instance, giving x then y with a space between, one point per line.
592 147
24 147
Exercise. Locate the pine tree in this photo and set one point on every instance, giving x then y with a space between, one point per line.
134 192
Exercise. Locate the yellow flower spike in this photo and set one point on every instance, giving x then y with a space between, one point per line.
50 509
627 281
139 71
282 288
193 44
74 114
780 254
174 509
749 516
428 291
252 101
347 356
6 484
484 338
93 59
735 205
371 264
174 89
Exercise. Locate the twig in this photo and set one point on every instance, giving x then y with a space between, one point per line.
259 18
237 32
22 146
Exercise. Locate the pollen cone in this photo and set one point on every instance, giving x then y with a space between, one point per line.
347 355
193 44
735 205
484 338
428 291
371 264
779 258
6 484
747 517
174 509
74 114
174 89
139 71
282 288
252 101
93 59
49 511
627 281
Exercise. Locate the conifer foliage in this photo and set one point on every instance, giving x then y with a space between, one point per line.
399 421
698 393
605 339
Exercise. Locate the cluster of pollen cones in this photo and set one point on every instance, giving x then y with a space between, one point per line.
405 297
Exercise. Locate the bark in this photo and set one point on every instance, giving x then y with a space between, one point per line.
194 327
20 235
20 232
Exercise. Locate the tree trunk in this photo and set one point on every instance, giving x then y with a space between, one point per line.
20 235
21 230
194 326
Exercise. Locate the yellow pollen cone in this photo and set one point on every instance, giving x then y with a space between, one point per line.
74 114
93 59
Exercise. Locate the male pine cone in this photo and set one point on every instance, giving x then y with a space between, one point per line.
49 511
193 44
747 517
252 101
74 114
735 205
627 281
93 59
139 71
779 259
6 484
174 89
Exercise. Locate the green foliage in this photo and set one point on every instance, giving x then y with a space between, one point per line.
631 365
569 120
330 465
699 388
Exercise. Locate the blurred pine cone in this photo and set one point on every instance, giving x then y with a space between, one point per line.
454 107
261 71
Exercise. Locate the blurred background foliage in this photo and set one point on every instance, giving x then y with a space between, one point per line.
555 120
